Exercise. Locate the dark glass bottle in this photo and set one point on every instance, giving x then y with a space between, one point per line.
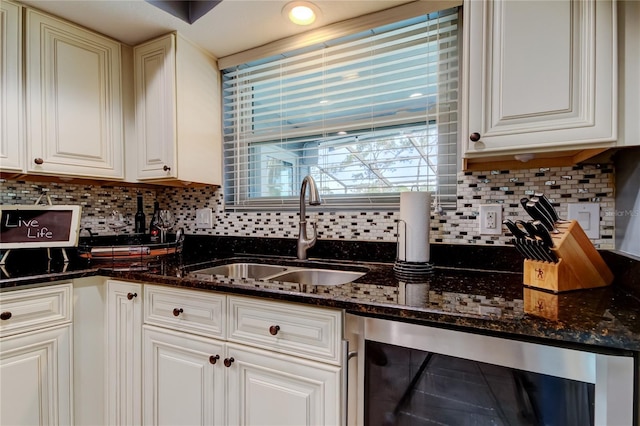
154 230
139 227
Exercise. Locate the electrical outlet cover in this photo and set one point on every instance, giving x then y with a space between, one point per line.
587 215
490 219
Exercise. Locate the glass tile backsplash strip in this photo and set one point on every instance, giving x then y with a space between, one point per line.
562 185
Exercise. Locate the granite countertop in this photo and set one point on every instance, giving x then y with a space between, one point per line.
473 300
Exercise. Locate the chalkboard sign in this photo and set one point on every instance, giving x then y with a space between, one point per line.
39 226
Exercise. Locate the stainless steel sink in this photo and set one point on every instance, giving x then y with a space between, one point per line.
241 270
314 276
293 274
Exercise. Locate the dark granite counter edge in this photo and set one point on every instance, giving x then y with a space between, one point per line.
530 328
527 328
47 279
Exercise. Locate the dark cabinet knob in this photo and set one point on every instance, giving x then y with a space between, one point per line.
228 362
474 137
214 358
131 295
274 329
177 311
166 168
5 315
38 161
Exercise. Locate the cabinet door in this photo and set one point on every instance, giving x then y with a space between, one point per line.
537 77
74 105
155 87
35 373
124 364
11 113
270 389
183 381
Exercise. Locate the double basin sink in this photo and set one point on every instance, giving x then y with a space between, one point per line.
312 274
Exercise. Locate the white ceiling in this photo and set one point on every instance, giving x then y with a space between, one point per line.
230 27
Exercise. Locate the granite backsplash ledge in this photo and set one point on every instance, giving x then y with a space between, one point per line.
495 258
489 258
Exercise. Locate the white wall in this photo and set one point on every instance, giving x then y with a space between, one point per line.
628 201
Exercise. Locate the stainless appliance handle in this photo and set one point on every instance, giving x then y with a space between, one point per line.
346 356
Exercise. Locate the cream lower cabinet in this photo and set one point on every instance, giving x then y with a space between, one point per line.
35 356
184 380
124 361
74 122
228 360
267 388
538 76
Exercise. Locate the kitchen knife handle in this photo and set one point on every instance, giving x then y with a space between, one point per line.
518 245
513 228
547 207
542 232
546 252
525 228
537 213
531 230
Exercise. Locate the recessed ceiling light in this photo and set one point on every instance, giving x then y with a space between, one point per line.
301 12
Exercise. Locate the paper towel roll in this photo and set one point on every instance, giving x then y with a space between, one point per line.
413 229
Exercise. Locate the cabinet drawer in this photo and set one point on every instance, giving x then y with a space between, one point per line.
35 308
313 333
193 311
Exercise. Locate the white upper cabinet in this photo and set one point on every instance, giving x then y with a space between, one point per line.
539 76
178 113
11 112
73 100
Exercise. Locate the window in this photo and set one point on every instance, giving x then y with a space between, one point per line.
368 115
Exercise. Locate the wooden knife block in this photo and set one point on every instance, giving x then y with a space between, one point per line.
579 266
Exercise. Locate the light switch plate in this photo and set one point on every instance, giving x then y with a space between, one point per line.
587 215
204 218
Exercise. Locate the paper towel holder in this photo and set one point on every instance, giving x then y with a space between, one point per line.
404 270
398 239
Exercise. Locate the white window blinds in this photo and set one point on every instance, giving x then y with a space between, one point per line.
368 116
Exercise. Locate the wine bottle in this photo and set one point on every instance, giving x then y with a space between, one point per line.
154 229
139 227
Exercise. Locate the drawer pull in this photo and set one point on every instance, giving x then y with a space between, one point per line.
228 362
177 311
214 358
274 329
166 168
131 295
39 161
474 137
5 315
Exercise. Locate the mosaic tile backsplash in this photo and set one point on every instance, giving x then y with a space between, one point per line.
562 185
